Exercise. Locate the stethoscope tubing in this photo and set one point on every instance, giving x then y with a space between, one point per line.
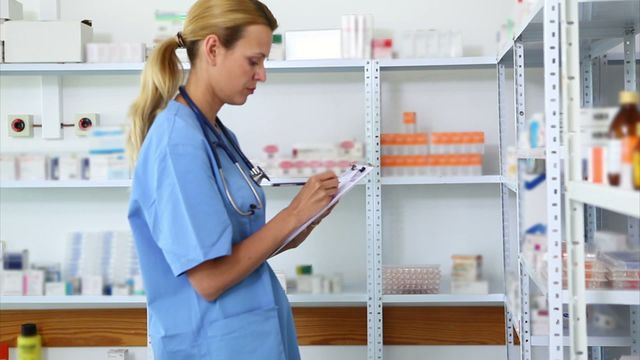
214 148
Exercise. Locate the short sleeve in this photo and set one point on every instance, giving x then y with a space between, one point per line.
190 223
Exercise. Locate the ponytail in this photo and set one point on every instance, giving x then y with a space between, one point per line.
161 77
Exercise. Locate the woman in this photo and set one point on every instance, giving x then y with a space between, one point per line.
198 218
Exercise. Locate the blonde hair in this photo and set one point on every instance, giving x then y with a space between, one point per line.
162 75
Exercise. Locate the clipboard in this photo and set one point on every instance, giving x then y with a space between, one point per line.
346 181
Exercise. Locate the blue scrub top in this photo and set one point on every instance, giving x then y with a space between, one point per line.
180 218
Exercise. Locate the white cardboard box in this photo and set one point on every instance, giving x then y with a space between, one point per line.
10 10
46 41
313 44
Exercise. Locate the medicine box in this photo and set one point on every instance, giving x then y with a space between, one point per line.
46 41
10 10
313 44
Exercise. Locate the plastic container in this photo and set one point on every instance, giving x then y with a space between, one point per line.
29 343
623 266
411 279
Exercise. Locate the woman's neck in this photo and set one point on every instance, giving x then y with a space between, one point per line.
203 96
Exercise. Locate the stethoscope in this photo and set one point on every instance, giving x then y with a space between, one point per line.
257 174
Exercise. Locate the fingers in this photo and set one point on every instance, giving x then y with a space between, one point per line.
327 175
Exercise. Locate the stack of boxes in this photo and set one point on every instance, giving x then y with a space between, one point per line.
466 275
416 153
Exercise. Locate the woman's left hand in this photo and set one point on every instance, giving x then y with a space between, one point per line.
306 232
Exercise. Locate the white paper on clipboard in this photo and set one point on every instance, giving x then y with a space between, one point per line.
346 182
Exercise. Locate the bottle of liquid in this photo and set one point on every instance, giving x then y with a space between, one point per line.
29 344
635 159
409 121
622 139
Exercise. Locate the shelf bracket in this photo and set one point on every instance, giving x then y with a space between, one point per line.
51 107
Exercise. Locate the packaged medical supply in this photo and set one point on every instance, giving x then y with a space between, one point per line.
7 167
168 23
34 282
411 279
32 167
480 287
466 267
382 48
608 241
409 122
635 162
622 140
313 44
57 288
356 36
118 354
10 10
277 48
12 283
116 52
64 41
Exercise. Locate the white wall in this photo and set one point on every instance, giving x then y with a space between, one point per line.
314 107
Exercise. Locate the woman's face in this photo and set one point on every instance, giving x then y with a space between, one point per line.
239 69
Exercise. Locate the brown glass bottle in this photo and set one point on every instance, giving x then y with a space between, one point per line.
622 139
635 161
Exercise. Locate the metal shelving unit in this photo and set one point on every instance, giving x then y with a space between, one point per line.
588 29
346 299
373 298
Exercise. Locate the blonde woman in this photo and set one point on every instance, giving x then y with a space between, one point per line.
197 210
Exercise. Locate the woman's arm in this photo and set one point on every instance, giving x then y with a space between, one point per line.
211 278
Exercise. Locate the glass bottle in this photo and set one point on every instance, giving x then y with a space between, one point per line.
622 139
635 160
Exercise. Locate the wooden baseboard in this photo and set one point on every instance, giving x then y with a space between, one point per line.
315 326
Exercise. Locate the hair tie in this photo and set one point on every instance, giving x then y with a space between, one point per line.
180 39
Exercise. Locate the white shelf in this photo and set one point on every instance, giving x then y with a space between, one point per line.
538 153
603 341
442 180
439 63
539 280
511 185
595 296
134 68
328 300
45 184
71 302
604 19
129 302
444 300
625 202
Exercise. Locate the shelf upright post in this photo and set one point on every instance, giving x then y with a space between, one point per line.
525 321
520 123
631 84
552 167
592 214
374 211
575 220
504 198
630 78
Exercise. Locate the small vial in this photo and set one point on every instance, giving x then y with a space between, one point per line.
285 167
409 121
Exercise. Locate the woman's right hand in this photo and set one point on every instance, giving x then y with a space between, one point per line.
316 193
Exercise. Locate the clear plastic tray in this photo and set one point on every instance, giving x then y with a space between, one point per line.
411 279
622 260
626 284
589 284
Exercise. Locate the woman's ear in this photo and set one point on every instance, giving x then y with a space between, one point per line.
211 48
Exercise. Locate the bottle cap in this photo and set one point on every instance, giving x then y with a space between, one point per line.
29 330
629 97
276 38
